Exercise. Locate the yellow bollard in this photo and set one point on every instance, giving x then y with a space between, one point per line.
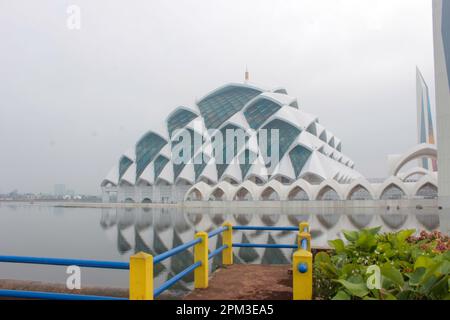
201 254
141 276
303 227
227 239
302 275
304 235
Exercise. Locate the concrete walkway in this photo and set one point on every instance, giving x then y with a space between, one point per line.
247 282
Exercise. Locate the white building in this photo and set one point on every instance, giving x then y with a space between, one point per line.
310 165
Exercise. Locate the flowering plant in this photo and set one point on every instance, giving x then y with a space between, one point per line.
396 265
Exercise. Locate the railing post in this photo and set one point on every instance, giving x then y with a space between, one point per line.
227 239
302 275
201 254
141 276
307 236
303 227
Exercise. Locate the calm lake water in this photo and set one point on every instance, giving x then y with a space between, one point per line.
116 233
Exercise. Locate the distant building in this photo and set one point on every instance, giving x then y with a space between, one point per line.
425 127
60 190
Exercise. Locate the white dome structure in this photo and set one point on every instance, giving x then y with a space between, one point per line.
306 151
310 164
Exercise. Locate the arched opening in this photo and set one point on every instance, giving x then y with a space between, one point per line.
428 191
312 178
269 194
360 193
328 194
256 180
217 195
147 200
392 192
298 194
129 200
231 181
194 195
284 180
243 195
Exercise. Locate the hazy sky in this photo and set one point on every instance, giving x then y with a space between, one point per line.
72 101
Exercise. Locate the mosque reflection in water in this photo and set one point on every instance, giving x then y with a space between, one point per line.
156 230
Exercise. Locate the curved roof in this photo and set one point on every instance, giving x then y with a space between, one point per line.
251 109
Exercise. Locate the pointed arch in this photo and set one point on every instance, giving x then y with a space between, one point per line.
243 194
329 190
355 190
269 194
392 188
427 188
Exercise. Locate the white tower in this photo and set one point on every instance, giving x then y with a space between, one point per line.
441 32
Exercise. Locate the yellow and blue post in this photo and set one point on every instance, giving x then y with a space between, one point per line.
227 239
141 276
201 254
302 275
303 227
307 236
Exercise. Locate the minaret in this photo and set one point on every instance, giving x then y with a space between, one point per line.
247 75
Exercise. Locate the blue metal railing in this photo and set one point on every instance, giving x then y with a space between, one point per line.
126 265
174 251
261 245
22 294
267 228
67 262
166 285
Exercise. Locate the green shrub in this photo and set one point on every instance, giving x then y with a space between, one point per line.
410 267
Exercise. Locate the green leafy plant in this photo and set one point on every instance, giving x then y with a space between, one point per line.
409 267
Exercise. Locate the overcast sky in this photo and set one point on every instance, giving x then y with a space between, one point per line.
72 101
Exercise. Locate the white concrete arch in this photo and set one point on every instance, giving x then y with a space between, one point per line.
203 188
413 171
395 181
276 186
302 184
251 188
423 150
364 183
240 193
428 179
227 189
329 183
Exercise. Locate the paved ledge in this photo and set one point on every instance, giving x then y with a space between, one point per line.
247 282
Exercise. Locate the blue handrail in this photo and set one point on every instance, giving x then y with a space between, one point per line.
166 285
67 262
22 294
260 245
217 251
174 251
217 231
265 228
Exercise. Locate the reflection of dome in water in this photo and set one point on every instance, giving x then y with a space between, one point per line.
360 220
218 219
296 219
328 220
429 221
242 218
194 218
270 219
394 221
